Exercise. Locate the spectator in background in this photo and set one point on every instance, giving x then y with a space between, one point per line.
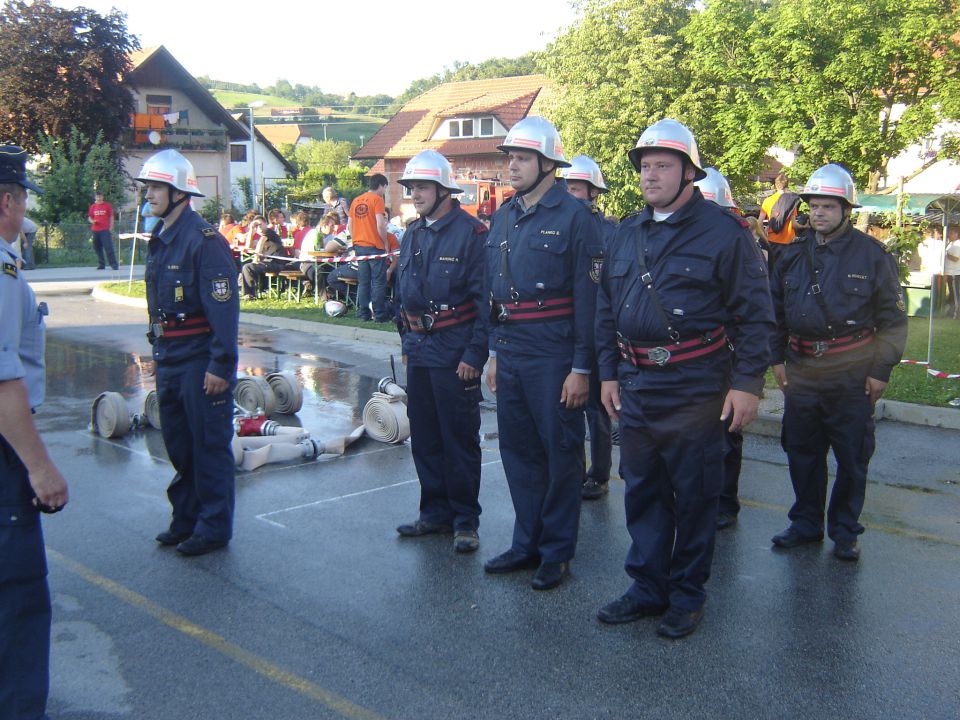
367 225
28 231
485 219
332 202
269 248
777 213
320 238
100 216
228 228
301 226
278 222
951 268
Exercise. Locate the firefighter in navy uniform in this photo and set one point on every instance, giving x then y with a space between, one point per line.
841 329
585 182
29 481
442 316
543 253
679 280
715 188
194 313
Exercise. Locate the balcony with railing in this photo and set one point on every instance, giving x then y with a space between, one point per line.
179 138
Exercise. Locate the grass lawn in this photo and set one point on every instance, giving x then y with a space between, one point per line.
908 383
305 310
230 99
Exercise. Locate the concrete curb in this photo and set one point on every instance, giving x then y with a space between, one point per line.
768 420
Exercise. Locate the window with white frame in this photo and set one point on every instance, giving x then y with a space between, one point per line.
471 127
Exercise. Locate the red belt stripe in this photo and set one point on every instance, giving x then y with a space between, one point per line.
532 310
441 319
637 353
833 345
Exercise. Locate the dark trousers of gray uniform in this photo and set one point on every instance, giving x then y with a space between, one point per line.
818 416
601 443
197 429
670 458
444 413
24 597
541 444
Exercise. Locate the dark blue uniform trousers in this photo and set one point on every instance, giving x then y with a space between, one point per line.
601 443
732 460
814 420
24 597
444 413
541 444
197 430
671 459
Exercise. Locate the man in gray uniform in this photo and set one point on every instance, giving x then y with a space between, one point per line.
29 481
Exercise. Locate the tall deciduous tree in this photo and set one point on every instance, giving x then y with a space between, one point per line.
847 81
62 69
618 70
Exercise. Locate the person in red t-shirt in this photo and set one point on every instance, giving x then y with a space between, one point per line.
367 225
100 215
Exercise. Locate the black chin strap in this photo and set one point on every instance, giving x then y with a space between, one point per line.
683 184
439 201
171 203
541 174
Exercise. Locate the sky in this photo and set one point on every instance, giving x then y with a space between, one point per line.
371 47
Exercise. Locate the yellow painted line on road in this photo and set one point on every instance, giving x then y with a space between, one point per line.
259 665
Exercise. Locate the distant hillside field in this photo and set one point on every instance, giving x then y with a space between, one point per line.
231 99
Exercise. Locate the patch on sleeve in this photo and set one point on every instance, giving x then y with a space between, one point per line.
10 269
596 265
221 289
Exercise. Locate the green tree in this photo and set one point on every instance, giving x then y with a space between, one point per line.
62 69
848 81
618 70
77 167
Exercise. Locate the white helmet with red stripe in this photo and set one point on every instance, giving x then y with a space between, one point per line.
584 167
714 187
539 135
173 169
668 134
429 165
831 181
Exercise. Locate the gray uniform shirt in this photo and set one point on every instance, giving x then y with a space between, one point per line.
22 332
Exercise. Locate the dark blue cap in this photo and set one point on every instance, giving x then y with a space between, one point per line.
13 167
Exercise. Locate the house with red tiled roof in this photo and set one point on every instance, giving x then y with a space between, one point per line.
463 120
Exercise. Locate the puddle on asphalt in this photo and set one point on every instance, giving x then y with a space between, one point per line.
333 393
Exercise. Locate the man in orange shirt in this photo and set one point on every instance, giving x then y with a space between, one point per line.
100 215
367 225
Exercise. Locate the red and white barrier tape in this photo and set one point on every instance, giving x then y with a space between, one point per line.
930 371
335 259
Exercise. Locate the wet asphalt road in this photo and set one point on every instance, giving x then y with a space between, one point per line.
318 610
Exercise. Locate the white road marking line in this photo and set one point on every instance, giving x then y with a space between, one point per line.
264 516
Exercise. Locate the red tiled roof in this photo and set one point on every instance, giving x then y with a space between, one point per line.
280 133
380 166
408 132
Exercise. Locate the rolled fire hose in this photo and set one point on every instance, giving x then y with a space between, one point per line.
258 425
110 416
151 409
254 394
286 390
385 415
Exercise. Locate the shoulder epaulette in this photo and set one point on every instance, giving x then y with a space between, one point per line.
209 231
10 269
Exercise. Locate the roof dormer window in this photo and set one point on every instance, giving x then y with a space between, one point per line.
470 127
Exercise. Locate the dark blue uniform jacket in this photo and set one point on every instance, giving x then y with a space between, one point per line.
441 266
861 289
190 272
708 272
554 251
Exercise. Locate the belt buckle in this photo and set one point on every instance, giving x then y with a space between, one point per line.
157 329
820 347
426 322
659 355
